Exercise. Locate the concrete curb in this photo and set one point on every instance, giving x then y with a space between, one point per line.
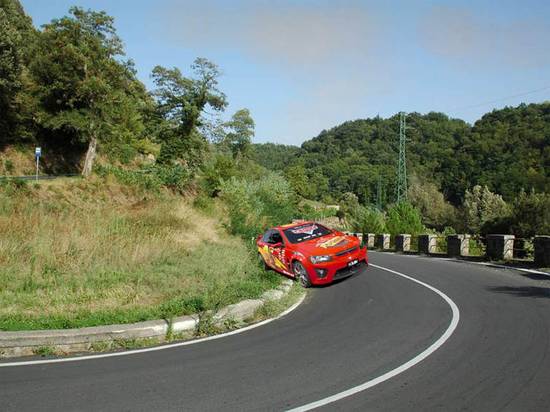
25 343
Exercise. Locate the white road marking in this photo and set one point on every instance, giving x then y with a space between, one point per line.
155 348
471 262
400 369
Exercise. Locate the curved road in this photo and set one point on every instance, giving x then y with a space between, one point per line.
498 358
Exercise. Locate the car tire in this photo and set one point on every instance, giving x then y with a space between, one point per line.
300 274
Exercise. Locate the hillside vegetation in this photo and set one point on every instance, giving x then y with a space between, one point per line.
506 150
492 176
82 253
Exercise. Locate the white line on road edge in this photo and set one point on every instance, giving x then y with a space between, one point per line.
394 372
470 262
155 348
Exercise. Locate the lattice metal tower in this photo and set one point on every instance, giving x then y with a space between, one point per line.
401 187
379 193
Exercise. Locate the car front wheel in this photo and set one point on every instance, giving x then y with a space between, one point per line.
301 275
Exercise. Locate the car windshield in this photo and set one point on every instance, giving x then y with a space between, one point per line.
297 234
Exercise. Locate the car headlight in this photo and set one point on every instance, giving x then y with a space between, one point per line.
320 259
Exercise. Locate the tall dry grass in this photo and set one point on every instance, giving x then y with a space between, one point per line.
84 253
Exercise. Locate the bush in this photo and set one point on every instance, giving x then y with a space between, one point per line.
368 220
153 177
215 171
309 211
404 218
482 206
349 204
255 205
175 177
426 197
531 215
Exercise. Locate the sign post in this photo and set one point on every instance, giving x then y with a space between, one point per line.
37 154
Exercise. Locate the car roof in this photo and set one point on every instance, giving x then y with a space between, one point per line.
294 224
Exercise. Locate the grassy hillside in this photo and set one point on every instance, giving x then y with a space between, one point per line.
79 253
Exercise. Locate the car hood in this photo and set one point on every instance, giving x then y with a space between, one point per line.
328 245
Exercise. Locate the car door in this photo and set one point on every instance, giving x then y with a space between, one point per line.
265 247
277 251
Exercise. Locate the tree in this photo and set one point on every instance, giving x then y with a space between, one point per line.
430 202
82 87
16 37
298 179
241 132
531 215
508 150
182 101
482 206
274 156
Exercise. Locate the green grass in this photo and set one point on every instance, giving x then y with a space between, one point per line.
91 253
275 307
45 351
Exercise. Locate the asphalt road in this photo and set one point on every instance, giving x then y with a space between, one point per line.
498 358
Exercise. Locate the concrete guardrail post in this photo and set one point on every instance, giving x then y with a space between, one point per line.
500 247
369 240
458 245
355 234
542 251
383 241
427 244
403 243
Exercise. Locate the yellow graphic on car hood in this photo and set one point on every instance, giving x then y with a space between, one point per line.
335 241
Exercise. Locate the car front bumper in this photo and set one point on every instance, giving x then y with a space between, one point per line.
338 268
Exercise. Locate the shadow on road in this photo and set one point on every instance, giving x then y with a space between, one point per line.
523 291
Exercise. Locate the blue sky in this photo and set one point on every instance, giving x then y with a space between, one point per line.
304 66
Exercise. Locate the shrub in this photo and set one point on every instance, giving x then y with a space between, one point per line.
482 206
426 197
404 218
219 168
349 204
175 177
531 215
255 205
368 220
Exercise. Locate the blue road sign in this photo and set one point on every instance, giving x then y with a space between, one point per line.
38 152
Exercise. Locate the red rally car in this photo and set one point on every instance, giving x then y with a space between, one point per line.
311 252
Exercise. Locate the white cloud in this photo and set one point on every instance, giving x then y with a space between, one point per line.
284 32
464 37
329 52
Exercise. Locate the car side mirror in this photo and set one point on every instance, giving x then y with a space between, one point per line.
278 244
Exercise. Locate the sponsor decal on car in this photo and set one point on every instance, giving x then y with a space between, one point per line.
309 229
335 241
270 259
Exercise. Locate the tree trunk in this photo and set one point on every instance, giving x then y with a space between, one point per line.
90 157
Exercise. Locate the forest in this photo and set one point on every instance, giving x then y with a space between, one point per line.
506 150
70 88
502 160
